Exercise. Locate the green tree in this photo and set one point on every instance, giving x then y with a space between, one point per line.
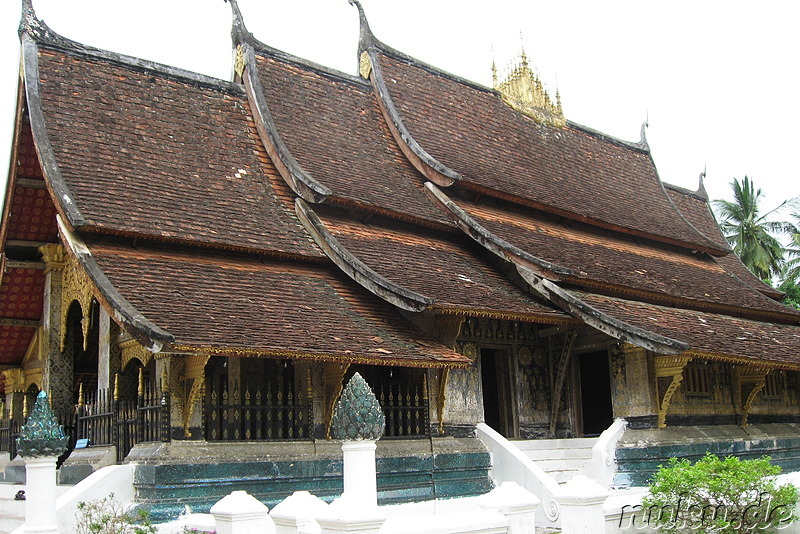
721 496
792 273
792 291
749 232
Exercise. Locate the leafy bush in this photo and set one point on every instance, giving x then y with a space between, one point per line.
719 496
107 516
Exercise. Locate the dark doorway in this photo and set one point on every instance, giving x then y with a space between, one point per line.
595 393
498 406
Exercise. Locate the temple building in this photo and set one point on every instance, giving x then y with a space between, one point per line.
192 267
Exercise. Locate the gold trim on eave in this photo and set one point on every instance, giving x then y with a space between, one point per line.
320 357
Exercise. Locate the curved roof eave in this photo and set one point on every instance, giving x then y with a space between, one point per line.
497 246
356 269
534 271
153 337
65 201
302 183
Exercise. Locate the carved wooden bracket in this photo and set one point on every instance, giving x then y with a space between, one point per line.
749 382
333 380
669 375
195 373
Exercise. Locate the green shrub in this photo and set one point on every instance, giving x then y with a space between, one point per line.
719 496
107 516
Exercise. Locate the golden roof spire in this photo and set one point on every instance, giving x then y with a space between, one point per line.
523 90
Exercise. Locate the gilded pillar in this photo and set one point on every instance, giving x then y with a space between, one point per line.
15 392
57 369
104 370
631 381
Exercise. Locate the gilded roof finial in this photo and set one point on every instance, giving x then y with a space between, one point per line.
523 90
494 70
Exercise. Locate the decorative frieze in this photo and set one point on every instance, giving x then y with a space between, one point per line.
132 349
496 330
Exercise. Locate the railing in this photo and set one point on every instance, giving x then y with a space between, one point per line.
104 420
406 410
9 430
268 412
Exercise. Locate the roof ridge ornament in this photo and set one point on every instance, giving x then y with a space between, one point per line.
643 144
523 90
701 186
366 38
31 24
239 32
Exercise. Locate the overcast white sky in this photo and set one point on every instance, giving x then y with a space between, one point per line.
717 80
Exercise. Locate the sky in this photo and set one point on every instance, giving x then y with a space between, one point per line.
716 81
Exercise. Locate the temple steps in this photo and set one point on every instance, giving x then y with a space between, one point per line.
560 458
12 513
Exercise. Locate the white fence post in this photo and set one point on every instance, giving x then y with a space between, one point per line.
581 501
516 503
295 514
241 513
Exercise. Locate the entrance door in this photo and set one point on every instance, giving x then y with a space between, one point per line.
595 393
498 398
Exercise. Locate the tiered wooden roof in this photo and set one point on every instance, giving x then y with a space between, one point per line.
302 212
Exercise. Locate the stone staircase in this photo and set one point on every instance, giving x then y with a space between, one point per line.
562 459
12 513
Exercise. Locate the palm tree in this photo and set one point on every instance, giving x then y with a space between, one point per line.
792 269
749 232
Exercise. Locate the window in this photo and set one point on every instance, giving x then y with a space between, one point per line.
773 386
696 380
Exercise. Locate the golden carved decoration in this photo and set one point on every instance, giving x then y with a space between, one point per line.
749 382
33 376
333 378
14 380
364 65
53 255
132 349
238 61
523 90
76 286
669 375
195 373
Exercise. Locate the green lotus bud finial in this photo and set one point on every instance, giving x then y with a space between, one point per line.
358 416
42 435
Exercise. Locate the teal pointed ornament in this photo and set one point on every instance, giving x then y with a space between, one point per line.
358 415
41 435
